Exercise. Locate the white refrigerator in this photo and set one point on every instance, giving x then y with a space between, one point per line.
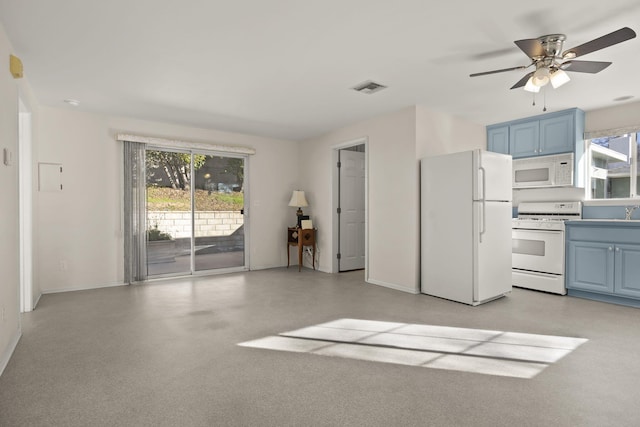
465 226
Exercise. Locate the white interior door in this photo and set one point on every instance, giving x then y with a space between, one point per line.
352 210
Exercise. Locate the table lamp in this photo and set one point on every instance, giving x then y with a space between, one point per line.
298 200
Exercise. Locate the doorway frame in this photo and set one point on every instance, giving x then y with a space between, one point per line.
25 180
335 202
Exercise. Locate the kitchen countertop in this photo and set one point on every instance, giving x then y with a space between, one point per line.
605 221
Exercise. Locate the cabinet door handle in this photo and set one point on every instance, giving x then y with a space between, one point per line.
617 249
610 248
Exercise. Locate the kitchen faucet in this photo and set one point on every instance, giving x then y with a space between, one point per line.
629 210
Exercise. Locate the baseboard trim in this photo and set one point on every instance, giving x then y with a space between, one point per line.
392 286
86 288
4 361
35 304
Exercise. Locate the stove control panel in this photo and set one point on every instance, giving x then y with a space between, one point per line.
538 224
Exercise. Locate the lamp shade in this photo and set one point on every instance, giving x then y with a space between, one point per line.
541 76
530 87
298 200
559 78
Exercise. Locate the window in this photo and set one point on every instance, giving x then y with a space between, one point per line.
612 168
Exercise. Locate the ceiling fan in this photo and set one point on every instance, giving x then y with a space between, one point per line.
551 62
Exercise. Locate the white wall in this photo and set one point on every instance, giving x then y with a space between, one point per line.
438 133
613 117
80 242
395 144
9 224
392 203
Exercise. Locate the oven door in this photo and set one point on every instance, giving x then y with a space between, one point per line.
538 250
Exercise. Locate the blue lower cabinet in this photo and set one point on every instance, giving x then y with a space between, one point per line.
590 266
603 261
627 270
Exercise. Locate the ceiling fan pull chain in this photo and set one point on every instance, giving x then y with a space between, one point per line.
533 94
544 97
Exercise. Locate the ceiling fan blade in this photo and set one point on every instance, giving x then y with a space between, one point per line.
585 66
531 47
523 81
484 73
623 34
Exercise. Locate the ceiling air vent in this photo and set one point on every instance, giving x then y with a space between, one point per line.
369 87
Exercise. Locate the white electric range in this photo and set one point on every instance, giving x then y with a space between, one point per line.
538 244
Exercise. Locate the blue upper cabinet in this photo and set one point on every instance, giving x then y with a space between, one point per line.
551 133
557 134
498 139
524 139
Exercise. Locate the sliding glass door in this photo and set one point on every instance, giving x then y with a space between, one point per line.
219 213
194 212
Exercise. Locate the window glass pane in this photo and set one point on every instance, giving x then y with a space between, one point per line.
219 212
168 212
610 169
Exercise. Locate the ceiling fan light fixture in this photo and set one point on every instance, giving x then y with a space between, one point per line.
530 87
540 77
558 78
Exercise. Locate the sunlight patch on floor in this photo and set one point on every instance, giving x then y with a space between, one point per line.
511 354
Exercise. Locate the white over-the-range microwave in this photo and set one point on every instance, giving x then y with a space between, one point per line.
543 171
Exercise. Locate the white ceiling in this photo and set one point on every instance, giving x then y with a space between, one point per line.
284 68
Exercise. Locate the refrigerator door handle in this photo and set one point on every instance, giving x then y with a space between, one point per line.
484 187
483 183
483 221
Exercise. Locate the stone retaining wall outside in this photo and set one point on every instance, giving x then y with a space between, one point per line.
207 223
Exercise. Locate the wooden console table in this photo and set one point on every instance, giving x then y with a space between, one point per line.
301 237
